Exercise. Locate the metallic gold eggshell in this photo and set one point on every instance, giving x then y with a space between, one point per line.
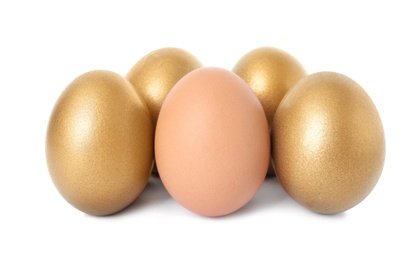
270 73
155 74
328 143
99 144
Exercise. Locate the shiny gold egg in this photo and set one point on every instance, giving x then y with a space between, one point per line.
155 74
270 73
99 144
328 143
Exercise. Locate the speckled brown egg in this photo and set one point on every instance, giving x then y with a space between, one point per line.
212 142
99 143
328 143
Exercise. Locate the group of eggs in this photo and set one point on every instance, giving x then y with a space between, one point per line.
214 134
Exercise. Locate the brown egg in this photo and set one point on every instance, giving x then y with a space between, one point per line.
155 74
212 142
270 73
99 143
328 143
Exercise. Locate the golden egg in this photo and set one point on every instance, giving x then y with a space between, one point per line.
99 144
270 73
328 143
155 74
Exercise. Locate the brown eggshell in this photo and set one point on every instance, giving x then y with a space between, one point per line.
99 143
328 143
212 142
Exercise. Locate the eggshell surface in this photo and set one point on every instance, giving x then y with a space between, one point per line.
99 143
212 143
328 143
154 75
270 73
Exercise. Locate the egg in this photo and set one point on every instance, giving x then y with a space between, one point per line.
270 73
99 143
328 143
212 142
154 75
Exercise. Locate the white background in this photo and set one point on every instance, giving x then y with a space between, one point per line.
45 45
